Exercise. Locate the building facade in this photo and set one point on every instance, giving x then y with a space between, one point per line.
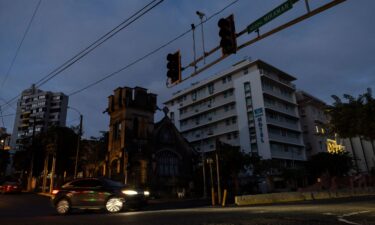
4 139
251 105
131 112
363 153
144 153
36 111
313 120
316 139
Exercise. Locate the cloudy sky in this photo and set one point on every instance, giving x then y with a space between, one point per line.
330 53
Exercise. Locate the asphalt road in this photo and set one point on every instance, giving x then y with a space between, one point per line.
33 209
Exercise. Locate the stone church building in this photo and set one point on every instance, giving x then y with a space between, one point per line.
143 153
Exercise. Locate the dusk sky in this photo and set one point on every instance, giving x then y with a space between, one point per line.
330 53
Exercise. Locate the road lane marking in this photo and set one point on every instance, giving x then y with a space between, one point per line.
347 221
341 218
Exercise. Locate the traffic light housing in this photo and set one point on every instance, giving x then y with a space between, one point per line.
174 67
228 42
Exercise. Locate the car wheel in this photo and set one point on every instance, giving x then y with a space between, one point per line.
114 205
63 206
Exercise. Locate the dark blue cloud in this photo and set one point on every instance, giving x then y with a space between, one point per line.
331 53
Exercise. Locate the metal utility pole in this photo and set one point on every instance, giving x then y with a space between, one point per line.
201 15
52 173
78 144
194 50
45 172
30 178
204 177
218 177
210 161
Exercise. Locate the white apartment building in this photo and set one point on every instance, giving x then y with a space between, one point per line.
251 105
313 119
37 109
316 139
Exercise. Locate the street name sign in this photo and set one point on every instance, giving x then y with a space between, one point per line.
271 15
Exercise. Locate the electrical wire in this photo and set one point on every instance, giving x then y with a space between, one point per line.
90 48
150 53
20 44
97 43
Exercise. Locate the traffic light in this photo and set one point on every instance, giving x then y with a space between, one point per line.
228 42
174 67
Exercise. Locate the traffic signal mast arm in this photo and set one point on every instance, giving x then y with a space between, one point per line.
290 23
307 15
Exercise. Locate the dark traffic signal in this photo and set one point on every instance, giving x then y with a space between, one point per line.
174 67
228 42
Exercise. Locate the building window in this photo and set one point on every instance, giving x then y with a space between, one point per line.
167 164
172 116
211 88
194 95
248 101
247 87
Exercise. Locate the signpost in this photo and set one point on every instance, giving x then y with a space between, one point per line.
271 15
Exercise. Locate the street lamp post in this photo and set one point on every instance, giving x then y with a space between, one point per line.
201 16
30 178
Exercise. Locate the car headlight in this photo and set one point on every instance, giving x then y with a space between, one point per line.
146 193
129 192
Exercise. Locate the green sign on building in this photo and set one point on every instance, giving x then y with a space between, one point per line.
271 15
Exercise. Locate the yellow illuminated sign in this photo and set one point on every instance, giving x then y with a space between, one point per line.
333 147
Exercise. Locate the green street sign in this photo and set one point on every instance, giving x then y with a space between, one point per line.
271 15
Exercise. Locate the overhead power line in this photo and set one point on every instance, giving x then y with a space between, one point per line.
98 42
20 44
150 53
94 45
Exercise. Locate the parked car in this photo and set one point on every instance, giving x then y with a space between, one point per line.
10 186
97 193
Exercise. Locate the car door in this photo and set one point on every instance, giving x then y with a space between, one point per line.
78 193
96 194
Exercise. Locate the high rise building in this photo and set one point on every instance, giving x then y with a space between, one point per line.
251 105
36 111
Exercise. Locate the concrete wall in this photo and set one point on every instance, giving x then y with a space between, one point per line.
301 196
